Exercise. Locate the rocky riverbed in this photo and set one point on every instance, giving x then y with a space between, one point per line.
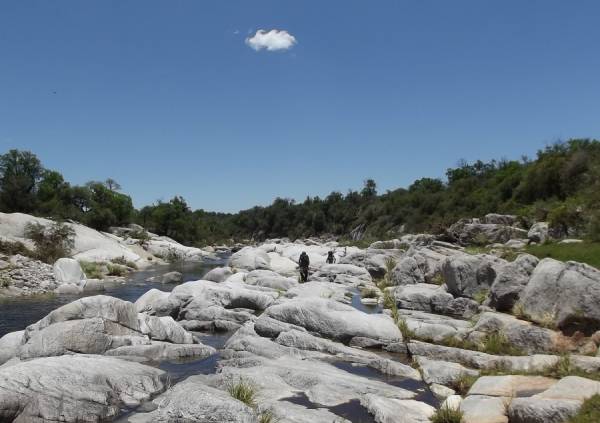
387 334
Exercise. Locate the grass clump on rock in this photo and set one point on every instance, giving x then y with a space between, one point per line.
369 293
589 412
92 270
447 414
244 391
463 383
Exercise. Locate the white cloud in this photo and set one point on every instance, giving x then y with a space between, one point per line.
273 40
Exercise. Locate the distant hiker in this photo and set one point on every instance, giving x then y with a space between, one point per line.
304 262
330 258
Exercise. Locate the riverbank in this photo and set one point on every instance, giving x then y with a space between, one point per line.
391 333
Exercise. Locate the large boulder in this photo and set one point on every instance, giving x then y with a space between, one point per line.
94 325
510 281
407 272
565 295
9 345
539 232
374 260
270 279
249 258
334 320
474 232
195 401
218 274
89 244
75 388
467 275
68 270
283 265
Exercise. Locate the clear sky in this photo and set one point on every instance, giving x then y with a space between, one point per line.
169 97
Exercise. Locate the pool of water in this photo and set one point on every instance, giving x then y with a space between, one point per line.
18 313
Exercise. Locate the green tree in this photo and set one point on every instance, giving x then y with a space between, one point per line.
19 173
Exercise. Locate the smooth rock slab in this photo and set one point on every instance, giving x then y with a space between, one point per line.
158 351
390 410
510 386
334 320
482 409
74 388
540 410
443 372
193 401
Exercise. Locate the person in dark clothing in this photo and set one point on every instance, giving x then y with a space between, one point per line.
304 262
330 258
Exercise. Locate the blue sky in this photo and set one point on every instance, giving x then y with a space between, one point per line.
167 97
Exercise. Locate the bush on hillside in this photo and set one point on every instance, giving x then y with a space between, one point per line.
52 242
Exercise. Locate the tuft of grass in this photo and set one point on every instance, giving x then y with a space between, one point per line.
407 333
388 300
243 390
11 248
447 415
518 311
390 264
463 383
116 270
369 293
589 411
4 281
438 279
498 344
481 296
92 270
123 262
267 416
583 252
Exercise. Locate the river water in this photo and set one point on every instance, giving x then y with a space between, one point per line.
18 313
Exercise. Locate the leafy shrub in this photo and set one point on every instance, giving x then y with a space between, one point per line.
481 296
447 415
51 243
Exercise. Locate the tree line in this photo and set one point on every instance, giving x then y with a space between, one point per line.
561 185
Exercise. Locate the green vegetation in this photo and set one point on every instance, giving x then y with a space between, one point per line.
584 252
498 344
589 412
564 367
463 383
4 281
369 293
12 248
116 269
447 415
481 296
123 262
244 391
52 242
267 416
561 186
91 270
